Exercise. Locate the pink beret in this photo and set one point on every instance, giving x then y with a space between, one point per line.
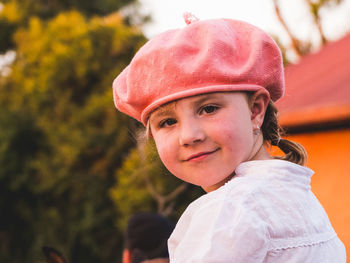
205 56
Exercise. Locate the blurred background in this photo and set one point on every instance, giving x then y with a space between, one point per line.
72 170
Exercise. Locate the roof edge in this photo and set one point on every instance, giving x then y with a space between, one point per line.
317 116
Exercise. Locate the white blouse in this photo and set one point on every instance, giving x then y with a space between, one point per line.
266 213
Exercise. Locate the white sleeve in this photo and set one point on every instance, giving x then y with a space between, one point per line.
219 232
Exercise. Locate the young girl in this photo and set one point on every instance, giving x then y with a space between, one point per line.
205 94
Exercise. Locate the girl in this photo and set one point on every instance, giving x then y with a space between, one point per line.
205 94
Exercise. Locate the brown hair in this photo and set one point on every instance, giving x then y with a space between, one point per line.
272 132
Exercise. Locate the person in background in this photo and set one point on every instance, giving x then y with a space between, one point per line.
146 238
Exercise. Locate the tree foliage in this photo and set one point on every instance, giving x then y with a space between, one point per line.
147 186
61 138
18 13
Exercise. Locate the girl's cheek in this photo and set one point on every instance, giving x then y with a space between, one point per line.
161 149
167 156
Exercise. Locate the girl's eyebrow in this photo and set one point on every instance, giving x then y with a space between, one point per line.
203 98
161 112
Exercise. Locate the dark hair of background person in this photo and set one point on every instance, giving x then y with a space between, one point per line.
146 236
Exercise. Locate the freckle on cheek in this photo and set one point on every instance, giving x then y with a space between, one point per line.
227 134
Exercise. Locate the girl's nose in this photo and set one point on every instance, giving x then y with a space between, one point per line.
190 133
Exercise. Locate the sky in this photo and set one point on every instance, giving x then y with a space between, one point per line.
167 14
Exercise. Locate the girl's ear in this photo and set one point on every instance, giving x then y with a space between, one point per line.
258 104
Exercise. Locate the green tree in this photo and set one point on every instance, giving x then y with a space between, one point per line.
144 184
61 138
17 13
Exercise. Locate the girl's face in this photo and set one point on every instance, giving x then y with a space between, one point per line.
202 139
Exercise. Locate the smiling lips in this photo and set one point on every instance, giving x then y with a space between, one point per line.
200 156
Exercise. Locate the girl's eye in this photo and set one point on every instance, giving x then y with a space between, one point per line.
167 122
208 109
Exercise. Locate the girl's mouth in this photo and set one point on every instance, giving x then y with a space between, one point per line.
200 156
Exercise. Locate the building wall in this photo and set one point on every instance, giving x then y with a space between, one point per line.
329 157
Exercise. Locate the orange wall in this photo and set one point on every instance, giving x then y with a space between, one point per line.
329 157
